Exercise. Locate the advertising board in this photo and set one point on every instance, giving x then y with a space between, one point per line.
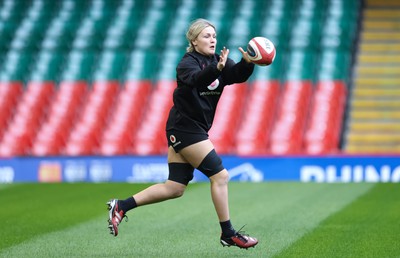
323 169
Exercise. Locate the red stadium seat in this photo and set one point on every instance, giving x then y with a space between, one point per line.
85 135
150 136
30 111
253 134
10 93
62 113
12 147
227 117
323 131
288 130
48 141
119 134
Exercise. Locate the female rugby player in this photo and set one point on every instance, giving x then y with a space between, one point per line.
201 77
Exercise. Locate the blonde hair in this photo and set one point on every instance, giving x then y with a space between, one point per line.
194 30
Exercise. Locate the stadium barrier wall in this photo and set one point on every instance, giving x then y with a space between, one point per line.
134 169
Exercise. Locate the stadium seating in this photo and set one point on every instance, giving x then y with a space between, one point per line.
253 134
288 130
118 136
54 131
150 137
112 64
84 138
322 135
223 131
10 93
31 109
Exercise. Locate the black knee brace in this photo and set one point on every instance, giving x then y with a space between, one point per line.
180 172
211 164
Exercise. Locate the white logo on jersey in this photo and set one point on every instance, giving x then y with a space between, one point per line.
213 85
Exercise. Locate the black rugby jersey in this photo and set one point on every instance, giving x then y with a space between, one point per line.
199 88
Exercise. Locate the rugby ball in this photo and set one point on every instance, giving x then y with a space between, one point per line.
261 51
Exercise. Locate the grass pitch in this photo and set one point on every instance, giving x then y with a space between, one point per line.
289 219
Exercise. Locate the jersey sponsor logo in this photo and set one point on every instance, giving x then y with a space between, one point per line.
172 138
213 85
176 144
209 93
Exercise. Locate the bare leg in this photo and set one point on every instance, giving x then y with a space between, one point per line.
159 192
219 182
219 194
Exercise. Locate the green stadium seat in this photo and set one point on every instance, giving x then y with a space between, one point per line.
279 8
142 65
243 26
120 35
13 11
343 9
155 26
26 37
16 65
111 65
167 70
65 24
61 32
47 66
93 27
199 9
338 34
79 66
305 34
301 65
90 35
35 21
124 25
7 30
276 31
306 26
59 43
334 65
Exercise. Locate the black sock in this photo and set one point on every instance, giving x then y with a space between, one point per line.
227 229
127 204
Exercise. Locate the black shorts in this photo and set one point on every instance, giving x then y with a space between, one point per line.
179 140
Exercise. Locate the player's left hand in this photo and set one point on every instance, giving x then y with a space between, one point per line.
244 54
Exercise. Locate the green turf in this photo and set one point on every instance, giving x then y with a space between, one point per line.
70 220
369 227
34 209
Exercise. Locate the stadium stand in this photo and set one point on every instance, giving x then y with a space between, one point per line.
61 116
107 69
118 136
374 120
30 111
253 133
10 93
85 135
150 136
324 127
226 123
289 125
